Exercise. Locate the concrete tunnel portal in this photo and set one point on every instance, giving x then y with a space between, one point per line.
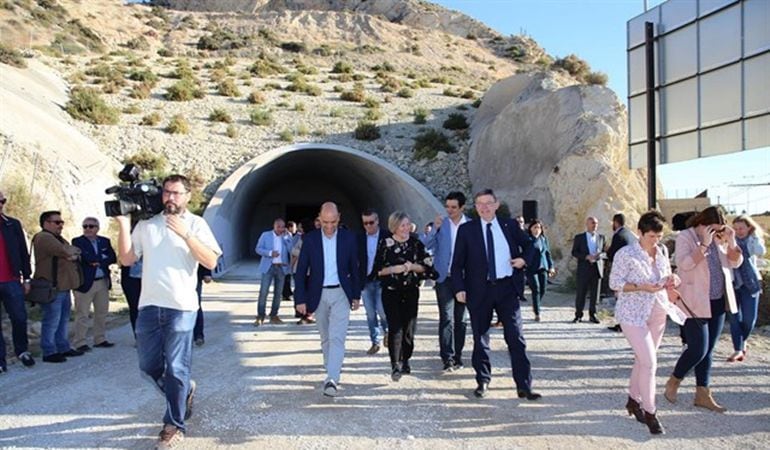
291 182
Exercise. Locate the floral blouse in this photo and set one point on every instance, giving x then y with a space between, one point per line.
390 252
633 265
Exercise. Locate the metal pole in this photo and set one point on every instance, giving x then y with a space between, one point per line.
649 51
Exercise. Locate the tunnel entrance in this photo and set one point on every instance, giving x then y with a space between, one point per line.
292 182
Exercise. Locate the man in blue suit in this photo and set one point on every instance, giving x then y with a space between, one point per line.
451 322
328 284
371 290
95 258
486 262
274 246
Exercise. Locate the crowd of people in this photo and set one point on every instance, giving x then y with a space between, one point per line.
479 267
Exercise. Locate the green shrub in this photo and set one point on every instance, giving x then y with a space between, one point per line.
372 115
132 109
302 130
144 76
151 119
11 56
294 47
165 53
366 131
468 95
231 131
286 136
405 93
228 88
256 98
428 144
299 106
220 115
86 104
261 117
140 91
265 66
456 121
307 70
313 90
390 84
324 50
599 78
371 102
184 90
224 39
574 66
449 92
384 67
420 116
342 67
356 95
178 125
138 43
476 103
218 74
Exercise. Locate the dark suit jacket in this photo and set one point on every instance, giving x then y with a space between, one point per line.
310 268
580 251
16 246
620 239
362 256
469 263
104 257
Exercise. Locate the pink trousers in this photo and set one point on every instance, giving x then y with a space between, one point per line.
645 341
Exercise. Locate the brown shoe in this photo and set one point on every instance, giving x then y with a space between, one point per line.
275 320
704 399
169 437
373 349
672 386
498 324
259 321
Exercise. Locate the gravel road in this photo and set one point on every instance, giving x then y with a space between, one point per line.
261 387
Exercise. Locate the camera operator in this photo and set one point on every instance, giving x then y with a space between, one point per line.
172 244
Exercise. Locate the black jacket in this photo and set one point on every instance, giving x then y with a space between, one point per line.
362 256
16 246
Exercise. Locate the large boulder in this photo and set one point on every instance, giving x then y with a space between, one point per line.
538 136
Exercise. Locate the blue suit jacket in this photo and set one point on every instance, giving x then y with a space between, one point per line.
310 268
469 264
264 248
104 257
440 243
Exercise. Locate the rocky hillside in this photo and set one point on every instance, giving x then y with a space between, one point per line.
207 89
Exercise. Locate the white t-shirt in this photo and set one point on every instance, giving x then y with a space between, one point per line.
169 271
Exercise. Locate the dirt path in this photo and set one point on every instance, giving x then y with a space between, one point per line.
261 387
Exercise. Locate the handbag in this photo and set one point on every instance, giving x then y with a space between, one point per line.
43 291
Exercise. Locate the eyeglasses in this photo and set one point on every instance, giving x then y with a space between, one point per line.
174 193
89 225
369 222
3 200
57 222
485 203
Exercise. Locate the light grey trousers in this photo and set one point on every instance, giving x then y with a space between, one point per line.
332 317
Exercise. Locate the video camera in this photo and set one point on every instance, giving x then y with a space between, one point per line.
141 199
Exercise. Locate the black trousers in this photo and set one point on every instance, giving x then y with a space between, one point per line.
588 283
132 288
401 312
286 292
500 297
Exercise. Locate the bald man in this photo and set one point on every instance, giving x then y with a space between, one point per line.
328 283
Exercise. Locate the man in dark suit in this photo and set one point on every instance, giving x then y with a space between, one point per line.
331 288
368 242
487 256
621 237
15 273
588 248
95 258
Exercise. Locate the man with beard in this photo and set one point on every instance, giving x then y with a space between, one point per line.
172 244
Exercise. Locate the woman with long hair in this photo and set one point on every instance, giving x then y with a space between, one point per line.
641 275
705 253
539 264
401 262
748 285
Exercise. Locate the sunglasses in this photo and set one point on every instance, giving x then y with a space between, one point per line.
369 222
57 222
3 200
88 225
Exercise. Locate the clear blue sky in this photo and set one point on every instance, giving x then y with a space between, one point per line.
595 30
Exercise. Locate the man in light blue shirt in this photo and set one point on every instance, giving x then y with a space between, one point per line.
368 241
274 246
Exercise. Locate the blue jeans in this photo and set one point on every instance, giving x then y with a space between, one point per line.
12 299
56 317
164 345
701 335
742 323
372 296
275 275
451 323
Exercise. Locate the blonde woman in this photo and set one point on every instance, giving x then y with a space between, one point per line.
750 239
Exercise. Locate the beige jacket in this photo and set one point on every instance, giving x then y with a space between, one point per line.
46 246
693 269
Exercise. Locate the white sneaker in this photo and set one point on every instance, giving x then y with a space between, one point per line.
169 437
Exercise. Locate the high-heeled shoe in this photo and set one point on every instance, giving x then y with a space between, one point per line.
653 423
635 409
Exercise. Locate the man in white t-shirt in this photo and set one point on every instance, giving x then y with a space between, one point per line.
172 244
